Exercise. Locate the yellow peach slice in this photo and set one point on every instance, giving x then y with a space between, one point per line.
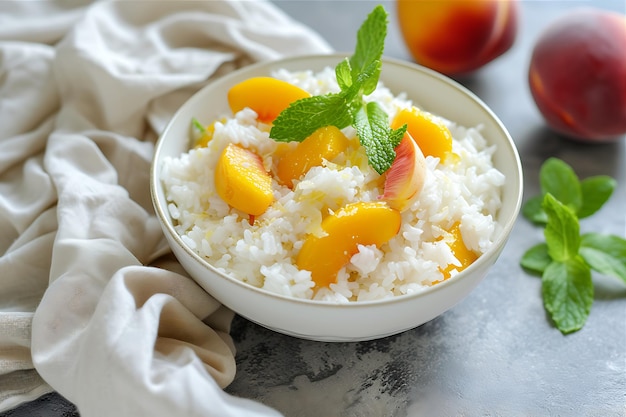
432 136
267 96
404 180
362 223
323 144
242 182
465 256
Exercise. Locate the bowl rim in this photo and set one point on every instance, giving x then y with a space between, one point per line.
493 251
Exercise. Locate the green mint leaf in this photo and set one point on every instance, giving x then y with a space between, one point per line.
533 211
595 192
370 42
396 135
567 292
343 73
536 259
305 116
562 230
605 254
560 180
566 259
372 126
368 79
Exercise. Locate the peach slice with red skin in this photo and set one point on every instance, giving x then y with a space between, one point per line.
241 180
267 96
325 143
361 223
404 180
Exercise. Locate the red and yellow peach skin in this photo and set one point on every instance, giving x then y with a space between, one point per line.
577 74
456 37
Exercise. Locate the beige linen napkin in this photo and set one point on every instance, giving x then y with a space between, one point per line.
88 287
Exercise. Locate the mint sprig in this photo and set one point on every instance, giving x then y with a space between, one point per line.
559 179
357 77
566 260
605 254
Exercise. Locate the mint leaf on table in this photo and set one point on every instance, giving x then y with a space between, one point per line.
595 192
533 211
566 282
566 260
536 259
562 231
559 179
567 292
357 77
605 254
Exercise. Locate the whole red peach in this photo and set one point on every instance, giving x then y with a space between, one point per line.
577 74
456 37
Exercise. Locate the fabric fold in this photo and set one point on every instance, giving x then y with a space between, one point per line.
89 287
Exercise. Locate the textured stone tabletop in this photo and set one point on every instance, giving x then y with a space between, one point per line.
494 354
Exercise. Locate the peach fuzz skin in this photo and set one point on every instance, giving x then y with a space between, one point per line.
405 178
577 75
457 37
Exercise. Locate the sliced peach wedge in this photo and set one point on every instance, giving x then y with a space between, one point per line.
405 178
324 144
267 96
432 136
241 180
361 223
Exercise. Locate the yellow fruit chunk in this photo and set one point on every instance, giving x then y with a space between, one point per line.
432 136
267 96
242 182
404 180
325 143
460 251
364 223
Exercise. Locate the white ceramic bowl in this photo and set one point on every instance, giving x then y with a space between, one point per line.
360 320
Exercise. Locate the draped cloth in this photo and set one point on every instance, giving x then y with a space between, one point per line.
92 303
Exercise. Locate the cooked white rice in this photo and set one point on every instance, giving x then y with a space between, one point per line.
465 189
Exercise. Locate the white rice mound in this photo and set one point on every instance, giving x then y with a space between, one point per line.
465 188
